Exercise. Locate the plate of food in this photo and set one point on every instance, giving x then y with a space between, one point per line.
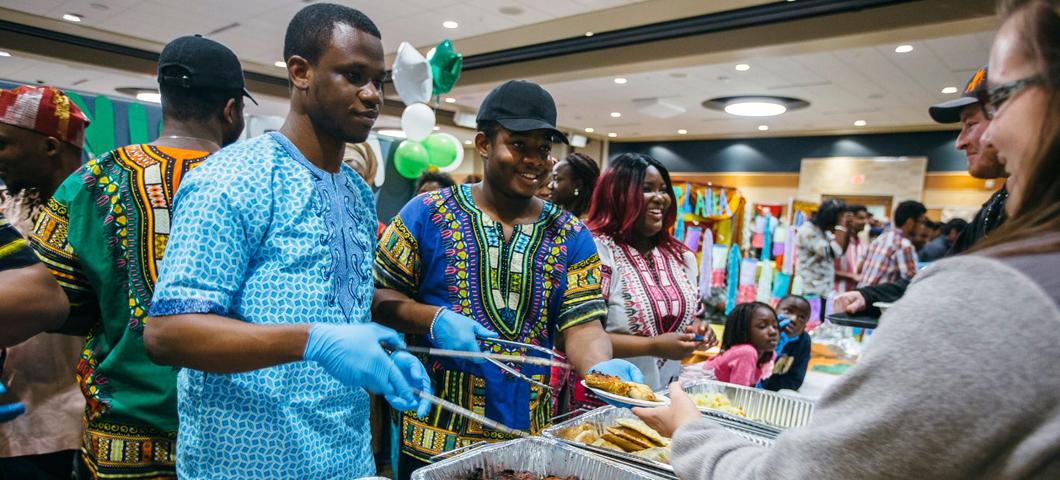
612 388
626 435
717 402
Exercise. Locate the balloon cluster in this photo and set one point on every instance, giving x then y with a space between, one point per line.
418 79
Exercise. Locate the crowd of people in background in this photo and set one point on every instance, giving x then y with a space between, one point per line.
229 306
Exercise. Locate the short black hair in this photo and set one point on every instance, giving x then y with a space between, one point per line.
195 104
441 178
908 210
309 32
798 299
738 324
857 208
490 128
827 216
957 224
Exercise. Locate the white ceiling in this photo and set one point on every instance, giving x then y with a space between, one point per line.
27 68
262 23
886 89
875 84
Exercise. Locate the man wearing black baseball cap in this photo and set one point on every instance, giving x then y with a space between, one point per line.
473 262
982 163
103 235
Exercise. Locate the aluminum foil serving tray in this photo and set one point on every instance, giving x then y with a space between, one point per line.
608 416
537 455
765 410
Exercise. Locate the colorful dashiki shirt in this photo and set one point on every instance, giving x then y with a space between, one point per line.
103 235
262 235
648 298
443 250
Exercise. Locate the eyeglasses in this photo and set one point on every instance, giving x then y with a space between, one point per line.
992 98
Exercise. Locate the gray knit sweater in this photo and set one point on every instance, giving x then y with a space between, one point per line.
959 382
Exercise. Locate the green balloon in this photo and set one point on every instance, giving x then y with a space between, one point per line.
411 159
445 66
441 149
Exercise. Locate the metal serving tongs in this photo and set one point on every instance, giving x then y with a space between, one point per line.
536 348
463 412
528 346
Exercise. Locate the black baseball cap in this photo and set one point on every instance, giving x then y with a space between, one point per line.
195 62
521 106
950 112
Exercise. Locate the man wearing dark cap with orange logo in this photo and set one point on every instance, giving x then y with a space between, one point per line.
103 235
982 163
41 134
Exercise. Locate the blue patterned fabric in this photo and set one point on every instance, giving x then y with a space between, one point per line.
261 235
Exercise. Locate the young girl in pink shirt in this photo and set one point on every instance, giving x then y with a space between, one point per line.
751 335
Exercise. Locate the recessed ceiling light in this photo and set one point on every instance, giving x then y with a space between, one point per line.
763 127
450 24
589 130
280 63
5 53
450 100
742 67
949 90
755 105
620 80
589 34
612 135
392 132
153 97
860 123
467 142
755 109
682 131
616 114
72 17
437 128
903 49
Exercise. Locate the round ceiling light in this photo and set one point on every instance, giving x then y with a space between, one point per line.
755 106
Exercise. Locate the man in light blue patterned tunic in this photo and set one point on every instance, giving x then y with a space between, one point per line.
265 290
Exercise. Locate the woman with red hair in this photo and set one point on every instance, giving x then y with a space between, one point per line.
648 278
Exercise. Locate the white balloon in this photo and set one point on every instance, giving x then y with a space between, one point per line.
459 153
417 121
380 170
412 75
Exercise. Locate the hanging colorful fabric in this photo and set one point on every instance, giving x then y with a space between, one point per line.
706 262
746 291
767 243
733 278
719 261
789 251
724 204
765 283
693 235
781 284
711 211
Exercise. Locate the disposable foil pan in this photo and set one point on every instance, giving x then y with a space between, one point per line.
608 416
766 411
536 455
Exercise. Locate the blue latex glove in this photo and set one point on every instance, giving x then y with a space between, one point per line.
9 411
453 331
784 338
353 354
622 369
416 376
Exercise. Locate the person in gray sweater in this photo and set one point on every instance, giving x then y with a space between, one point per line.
958 382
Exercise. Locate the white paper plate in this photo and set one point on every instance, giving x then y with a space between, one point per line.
626 400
